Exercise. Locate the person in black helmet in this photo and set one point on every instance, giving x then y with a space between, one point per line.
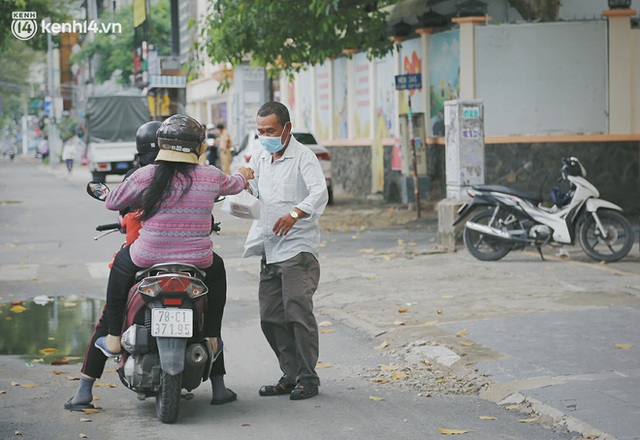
94 359
150 188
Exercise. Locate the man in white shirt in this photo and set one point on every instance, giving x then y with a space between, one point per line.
289 182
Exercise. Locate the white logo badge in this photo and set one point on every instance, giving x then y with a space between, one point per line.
24 25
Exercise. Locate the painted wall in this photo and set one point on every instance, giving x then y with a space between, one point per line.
444 76
541 79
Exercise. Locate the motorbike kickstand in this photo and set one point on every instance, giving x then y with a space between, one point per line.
540 252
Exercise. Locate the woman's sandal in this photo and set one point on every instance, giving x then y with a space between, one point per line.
278 389
304 390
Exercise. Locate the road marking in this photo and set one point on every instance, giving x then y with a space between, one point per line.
18 272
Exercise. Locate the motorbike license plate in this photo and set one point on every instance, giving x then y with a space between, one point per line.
172 323
122 165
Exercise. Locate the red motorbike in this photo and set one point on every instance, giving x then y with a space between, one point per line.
164 348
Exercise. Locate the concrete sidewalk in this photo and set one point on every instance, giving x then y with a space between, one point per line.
558 339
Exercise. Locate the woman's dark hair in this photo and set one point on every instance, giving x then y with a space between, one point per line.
160 191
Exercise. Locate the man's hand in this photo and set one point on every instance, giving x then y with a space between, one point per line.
284 224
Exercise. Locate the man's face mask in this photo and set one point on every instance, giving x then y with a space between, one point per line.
272 144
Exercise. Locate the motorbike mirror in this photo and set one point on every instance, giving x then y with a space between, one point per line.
98 190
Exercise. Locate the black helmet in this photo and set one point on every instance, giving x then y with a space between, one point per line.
180 133
146 139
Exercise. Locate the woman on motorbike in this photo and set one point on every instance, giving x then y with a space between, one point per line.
175 196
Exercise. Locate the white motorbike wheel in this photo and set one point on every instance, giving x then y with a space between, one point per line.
618 233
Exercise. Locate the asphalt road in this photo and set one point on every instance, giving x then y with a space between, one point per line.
368 275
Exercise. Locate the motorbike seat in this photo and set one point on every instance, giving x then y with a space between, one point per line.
533 196
163 268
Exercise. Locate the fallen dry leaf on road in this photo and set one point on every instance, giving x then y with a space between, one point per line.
323 365
366 251
329 330
439 312
398 322
531 420
488 418
325 324
513 407
452 431
403 310
399 375
85 420
379 380
3 392
83 435
18 309
463 332
102 384
624 346
60 361
91 410
16 303
383 344
376 398
47 351
73 378
57 373
389 367
18 433
466 343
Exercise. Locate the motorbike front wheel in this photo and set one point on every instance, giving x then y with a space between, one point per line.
610 244
168 397
487 247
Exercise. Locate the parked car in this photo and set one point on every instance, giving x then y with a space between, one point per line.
250 144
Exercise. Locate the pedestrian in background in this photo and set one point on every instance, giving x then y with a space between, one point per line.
69 152
289 182
225 146
212 148
43 149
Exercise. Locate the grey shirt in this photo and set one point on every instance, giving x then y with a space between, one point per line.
293 181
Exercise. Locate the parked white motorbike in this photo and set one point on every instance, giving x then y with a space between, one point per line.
506 219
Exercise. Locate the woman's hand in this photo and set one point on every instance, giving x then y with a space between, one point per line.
246 172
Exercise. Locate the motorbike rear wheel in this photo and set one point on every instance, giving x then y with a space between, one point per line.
486 247
168 397
618 241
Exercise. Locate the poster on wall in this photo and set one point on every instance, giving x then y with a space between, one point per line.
323 116
362 97
385 97
444 76
305 97
411 56
340 95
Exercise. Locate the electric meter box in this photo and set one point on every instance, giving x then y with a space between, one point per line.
464 150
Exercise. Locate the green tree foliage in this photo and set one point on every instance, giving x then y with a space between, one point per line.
57 10
115 51
17 56
284 36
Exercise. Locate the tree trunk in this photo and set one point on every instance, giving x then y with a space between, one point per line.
537 10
